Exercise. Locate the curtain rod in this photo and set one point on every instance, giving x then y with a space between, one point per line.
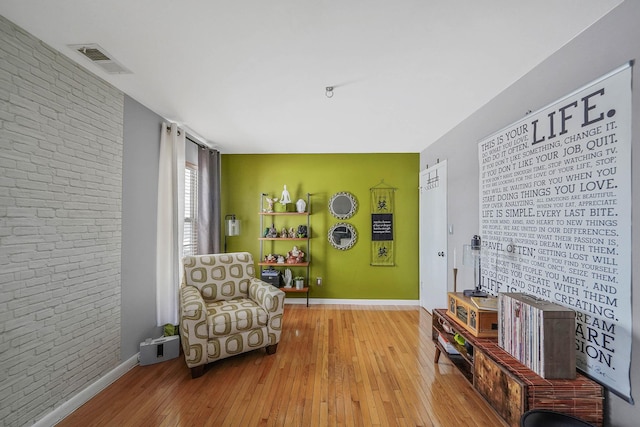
201 145
190 138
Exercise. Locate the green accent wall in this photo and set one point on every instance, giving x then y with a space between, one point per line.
345 274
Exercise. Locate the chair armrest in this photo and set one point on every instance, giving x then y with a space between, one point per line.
193 326
271 299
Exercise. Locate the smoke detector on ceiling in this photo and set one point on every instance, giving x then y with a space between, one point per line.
100 57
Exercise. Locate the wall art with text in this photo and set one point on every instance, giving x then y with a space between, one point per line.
555 217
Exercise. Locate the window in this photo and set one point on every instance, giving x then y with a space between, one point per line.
190 245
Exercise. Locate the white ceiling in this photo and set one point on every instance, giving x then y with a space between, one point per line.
249 76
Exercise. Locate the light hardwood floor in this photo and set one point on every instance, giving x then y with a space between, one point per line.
336 365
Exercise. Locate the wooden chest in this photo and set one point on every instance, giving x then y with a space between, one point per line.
501 389
479 323
538 333
512 389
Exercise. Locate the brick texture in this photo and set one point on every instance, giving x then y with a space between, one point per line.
60 227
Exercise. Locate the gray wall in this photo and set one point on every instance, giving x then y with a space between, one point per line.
78 192
609 43
139 206
78 185
60 227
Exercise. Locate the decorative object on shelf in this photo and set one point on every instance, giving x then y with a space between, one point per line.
271 276
284 233
270 201
445 326
231 228
271 258
299 281
448 347
302 231
280 259
287 278
301 205
282 207
382 234
285 197
285 201
295 256
343 205
471 257
478 322
342 236
292 233
455 270
271 232
539 333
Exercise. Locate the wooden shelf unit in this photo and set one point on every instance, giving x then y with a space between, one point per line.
282 238
275 264
287 213
304 290
276 241
509 386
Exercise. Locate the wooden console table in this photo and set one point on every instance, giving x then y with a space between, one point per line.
510 387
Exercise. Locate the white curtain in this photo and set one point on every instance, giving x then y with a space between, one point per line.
169 246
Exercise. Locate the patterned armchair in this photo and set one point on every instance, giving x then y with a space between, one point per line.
225 310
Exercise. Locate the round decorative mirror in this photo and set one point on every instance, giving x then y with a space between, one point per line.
342 236
343 205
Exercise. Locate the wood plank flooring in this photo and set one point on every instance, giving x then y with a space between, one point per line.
336 365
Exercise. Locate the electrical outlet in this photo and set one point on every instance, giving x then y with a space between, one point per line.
319 281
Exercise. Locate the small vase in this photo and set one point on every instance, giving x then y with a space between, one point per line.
299 284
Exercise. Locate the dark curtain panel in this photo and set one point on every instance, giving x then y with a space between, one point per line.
209 232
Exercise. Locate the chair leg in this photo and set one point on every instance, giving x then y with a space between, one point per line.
271 349
197 371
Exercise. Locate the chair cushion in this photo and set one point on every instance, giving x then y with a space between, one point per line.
233 316
219 276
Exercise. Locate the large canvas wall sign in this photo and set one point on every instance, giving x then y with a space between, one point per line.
555 215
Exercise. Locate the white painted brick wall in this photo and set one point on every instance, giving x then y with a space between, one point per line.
60 221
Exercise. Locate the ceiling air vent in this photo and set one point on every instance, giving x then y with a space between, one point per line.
100 57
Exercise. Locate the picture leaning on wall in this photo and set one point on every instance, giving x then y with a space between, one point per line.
555 216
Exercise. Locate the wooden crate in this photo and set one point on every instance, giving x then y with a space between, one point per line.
504 391
479 323
579 397
538 333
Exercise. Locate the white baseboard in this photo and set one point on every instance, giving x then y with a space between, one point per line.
85 395
332 301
